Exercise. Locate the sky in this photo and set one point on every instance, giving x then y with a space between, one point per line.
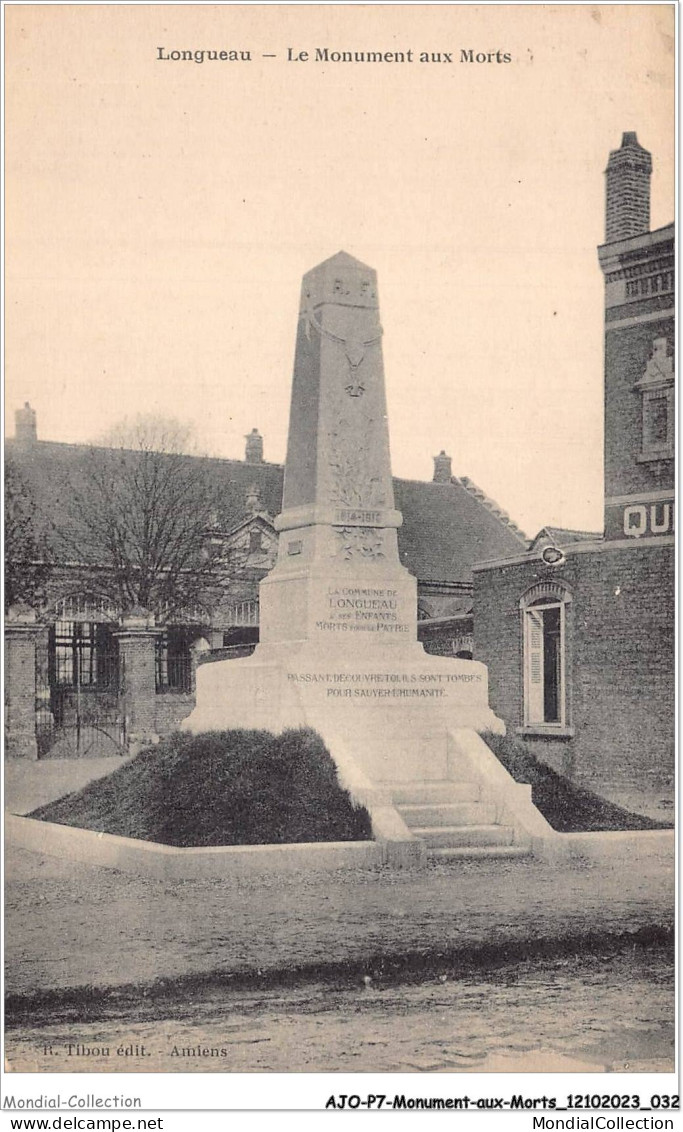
160 215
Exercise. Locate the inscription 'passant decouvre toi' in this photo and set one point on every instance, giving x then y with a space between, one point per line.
384 685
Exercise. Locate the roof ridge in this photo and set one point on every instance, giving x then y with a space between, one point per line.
490 504
86 445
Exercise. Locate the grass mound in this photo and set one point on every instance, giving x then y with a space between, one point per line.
220 788
568 808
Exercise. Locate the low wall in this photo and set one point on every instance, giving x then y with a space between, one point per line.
401 849
622 847
515 808
170 709
169 862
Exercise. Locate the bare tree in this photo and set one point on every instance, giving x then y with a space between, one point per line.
28 560
142 512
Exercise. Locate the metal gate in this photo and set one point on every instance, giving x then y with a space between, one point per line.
82 720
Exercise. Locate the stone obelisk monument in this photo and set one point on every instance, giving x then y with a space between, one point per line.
338 613
338 582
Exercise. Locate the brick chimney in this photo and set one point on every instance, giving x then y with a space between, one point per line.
628 190
25 426
254 449
442 468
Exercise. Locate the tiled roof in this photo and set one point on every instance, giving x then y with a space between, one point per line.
446 529
53 469
446 526
490 505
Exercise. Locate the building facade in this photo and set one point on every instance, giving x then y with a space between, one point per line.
578 632
103 676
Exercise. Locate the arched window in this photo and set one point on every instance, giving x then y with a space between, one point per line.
89 607
544 630
190 614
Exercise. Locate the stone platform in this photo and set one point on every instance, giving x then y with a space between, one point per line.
394 710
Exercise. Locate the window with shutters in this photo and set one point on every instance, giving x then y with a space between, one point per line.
545 666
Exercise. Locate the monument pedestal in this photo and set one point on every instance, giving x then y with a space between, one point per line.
335 610
393 709
338 613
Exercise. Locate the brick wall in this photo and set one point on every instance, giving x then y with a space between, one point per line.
20 689
635 307
171 709
620 667
446 637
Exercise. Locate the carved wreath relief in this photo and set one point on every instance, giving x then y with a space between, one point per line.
356 483
356 479
354 347
360 542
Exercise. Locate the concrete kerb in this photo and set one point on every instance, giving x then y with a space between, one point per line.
515 808
394 843
171 862
632 846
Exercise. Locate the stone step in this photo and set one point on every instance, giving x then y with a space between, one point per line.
477 852
447 813
426 793
454 836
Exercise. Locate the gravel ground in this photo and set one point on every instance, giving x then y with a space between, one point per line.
71 925
584 1014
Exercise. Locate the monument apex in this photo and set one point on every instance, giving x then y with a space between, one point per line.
338 380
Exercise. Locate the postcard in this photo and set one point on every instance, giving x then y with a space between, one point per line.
339 560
